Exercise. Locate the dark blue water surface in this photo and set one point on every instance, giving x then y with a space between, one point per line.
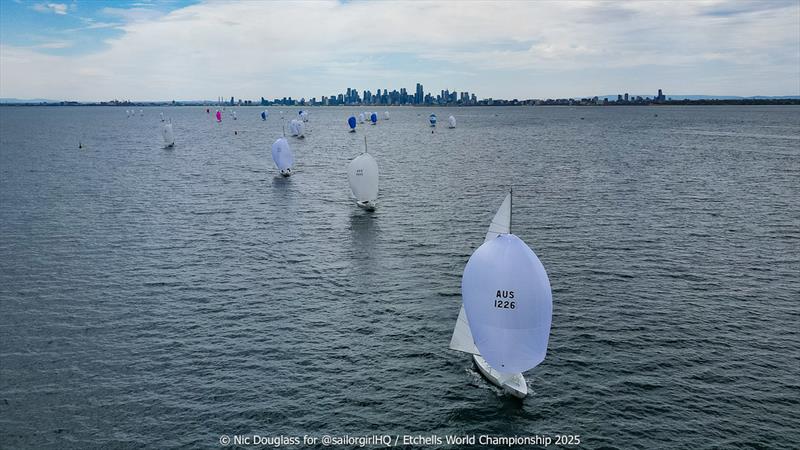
162 298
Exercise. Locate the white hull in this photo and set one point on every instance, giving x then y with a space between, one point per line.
512 383
368 205
286 173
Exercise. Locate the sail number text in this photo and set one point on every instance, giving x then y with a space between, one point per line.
500 302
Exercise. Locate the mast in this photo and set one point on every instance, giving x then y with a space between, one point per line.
365 144
510 207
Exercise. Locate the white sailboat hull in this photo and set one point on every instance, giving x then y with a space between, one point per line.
511 383
367 205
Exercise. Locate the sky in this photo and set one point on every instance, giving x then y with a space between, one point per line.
90 50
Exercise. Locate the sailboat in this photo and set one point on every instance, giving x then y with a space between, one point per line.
452 121
386 115
362 173
507 309
432 119
162 116
352 123
297 128
283 157
373 118
303 116
169 136
361 117
234 115
219 116
264 114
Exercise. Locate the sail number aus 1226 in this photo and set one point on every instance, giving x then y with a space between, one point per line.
500 302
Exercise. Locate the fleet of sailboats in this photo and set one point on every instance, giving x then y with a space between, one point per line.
505 318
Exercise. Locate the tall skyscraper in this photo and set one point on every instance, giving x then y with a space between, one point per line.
419 96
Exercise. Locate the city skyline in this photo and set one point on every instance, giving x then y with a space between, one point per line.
186 49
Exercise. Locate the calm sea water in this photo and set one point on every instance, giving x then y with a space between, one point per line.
162 298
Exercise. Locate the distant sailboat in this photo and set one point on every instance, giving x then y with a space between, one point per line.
362 173
169 136
373 118
162 116
432 119
303 116
505 319
361 118
386 115
283 157
234 115
452 121
297 127
352 123
264 114
141 113
219 116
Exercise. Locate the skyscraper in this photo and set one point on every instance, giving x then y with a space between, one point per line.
419 96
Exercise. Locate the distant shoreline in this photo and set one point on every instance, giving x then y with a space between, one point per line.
687 102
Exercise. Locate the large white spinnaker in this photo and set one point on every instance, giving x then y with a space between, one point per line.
283 157
509 304
169 136
452 121
362 173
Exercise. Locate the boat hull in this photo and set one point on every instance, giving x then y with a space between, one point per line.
511 383
367 205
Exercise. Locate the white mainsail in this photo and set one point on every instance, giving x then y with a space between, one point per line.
462 340
452 121
362 173
501 222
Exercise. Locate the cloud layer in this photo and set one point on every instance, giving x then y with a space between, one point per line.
523 50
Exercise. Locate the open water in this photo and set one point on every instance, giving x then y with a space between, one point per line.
162 298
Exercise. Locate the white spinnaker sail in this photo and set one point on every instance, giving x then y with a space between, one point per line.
362 173
386 115
509 304
462 336
452 121
501 222
169 136
282 154
361 117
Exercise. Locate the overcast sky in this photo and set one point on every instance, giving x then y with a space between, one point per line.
183 50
